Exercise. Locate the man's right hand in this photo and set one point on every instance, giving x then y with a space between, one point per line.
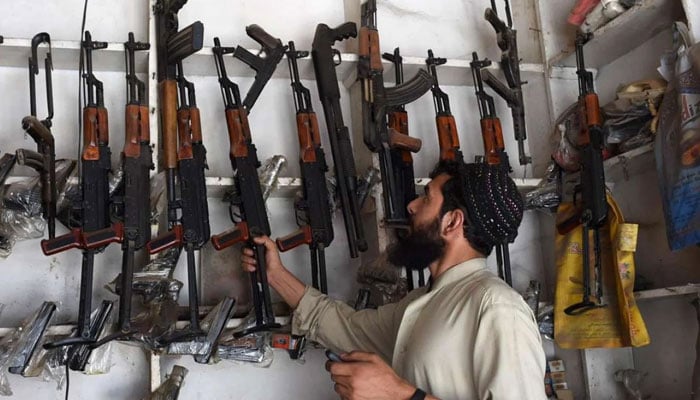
272 256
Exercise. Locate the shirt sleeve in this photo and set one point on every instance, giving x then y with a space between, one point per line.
339 327
509 361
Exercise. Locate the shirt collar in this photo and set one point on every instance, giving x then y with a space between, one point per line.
457 272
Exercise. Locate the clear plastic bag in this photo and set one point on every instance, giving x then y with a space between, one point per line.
250 349
547 194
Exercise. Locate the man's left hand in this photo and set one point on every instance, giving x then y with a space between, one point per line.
366 376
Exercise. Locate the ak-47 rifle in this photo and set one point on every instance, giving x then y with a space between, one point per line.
184 155
507 39
376 100
313 210
247 207
44 159
133 230
95 202
402 160
494 148
323 56
594 202
448 137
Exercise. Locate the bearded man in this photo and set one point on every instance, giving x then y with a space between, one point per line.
467 335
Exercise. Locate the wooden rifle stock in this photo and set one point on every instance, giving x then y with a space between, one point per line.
238 132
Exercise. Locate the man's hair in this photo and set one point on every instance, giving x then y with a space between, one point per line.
487 197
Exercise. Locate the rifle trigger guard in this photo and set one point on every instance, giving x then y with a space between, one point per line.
336 52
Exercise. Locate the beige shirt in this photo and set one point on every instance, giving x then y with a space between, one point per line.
470 337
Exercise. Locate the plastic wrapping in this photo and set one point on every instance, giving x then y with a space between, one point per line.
632 380
545 321
253 349
155 282
21 208
548 193
564 139
269 174
382 281
170 389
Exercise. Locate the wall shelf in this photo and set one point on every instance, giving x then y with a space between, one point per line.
631 163
625 33
65 55
673 291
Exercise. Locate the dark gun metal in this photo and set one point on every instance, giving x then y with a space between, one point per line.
376 99
323 56
511 92
248 203
594 203
494 148
316 225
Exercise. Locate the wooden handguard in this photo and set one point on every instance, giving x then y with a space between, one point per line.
369 47
309 138
137 129
295 239
404 142
184 133
590 116
448 139
102 126
492 136
238 132
168 92
226 239
195 125
91 150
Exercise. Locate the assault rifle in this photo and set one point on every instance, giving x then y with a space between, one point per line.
316 223
402 160
323 56
376 99
184 155
448 137
134 228
95 202
44 159
247 206
594 202
512 93
494 148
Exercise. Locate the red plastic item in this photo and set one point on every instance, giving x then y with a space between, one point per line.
580 10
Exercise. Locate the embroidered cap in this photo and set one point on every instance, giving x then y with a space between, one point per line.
494 204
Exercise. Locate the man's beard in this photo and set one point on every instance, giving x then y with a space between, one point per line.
419 248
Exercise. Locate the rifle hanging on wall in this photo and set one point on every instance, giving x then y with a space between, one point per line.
376 101
494 148
132 204
324 57
184 155
511 92
448 137
247 206
43 160
94 206
313 211
593 199
402 160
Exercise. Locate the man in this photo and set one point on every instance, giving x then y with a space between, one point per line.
467 335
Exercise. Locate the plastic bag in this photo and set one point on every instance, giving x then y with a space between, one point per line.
564 139
677 144
251 349
21 208
547 194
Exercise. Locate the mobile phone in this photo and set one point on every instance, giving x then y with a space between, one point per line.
333 356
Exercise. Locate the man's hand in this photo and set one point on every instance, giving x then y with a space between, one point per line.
272 256
287 285
366 376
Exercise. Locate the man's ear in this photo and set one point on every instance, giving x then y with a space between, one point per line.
453 221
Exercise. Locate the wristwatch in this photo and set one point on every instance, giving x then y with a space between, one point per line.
418 395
